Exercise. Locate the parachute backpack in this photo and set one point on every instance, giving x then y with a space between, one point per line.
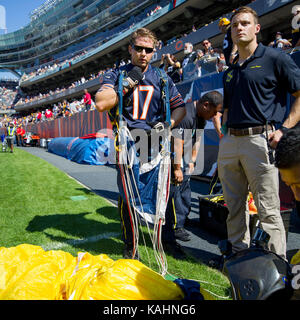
145 186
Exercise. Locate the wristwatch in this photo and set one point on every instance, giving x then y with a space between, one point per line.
283 129
126 84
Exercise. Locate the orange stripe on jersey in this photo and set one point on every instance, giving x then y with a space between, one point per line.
176 101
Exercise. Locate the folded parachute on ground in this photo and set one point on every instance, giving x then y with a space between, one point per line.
27 272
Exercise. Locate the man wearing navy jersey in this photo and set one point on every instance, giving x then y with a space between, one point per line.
142 103
255 95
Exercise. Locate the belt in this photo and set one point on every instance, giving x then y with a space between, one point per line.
248 131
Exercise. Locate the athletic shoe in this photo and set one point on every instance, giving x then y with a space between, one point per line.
182 234
175 250
128 253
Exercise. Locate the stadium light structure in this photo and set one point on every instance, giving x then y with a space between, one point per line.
3 19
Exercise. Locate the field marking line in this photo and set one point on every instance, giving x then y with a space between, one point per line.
55 245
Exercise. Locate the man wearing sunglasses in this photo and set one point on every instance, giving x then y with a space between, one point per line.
142 107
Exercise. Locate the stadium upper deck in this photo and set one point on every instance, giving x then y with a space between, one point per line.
66 28
65 23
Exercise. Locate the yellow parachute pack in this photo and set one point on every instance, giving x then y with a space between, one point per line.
27 272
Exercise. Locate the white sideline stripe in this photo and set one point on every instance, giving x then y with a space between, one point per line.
75 242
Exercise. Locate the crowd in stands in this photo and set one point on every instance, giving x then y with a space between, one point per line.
50 93
58 64
208 59
61 109
51 67
195 63
7 97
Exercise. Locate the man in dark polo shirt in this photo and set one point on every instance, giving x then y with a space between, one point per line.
255 95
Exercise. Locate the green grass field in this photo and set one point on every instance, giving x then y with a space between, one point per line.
41 205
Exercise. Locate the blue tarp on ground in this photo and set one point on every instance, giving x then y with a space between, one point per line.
95 151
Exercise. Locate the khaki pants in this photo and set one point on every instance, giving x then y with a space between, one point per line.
243 162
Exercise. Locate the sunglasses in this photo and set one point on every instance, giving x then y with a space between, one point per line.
204 43
140 49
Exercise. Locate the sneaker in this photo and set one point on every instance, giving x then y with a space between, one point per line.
128 253
182 234
175 250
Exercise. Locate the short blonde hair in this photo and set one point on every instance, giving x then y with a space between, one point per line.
246 10
143 32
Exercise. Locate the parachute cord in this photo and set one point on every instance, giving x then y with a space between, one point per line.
209 291
129 192
129 208
153 238
215 285
158 249
128 170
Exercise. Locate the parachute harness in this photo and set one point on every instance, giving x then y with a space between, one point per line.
127 161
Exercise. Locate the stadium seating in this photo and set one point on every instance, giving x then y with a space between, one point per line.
53 74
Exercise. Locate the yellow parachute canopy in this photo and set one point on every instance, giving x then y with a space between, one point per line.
27 272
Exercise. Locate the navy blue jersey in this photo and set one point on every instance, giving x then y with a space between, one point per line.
144 104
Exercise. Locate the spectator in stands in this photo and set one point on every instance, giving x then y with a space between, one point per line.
64 108
48 114
295 26
254 107
43 116
221 63
189 65
229 49
207 47
73 107
279 42
208 62
39 116
170 64
87 100
55 110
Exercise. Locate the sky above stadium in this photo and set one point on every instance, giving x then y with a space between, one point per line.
18 12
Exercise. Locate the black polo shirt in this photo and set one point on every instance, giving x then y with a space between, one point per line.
191 123
256 92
